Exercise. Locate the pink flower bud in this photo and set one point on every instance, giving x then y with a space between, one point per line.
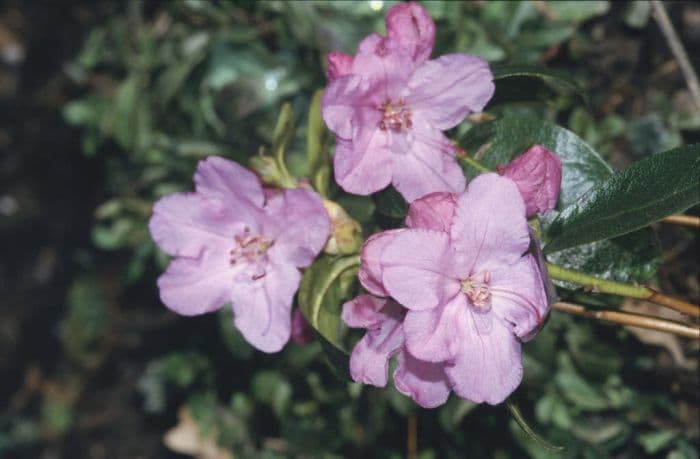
537 172
410 25
339 65
302 333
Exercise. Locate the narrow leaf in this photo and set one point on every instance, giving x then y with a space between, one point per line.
642 194
520 419
282 136
317 150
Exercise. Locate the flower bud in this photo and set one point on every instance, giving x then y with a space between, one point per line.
433 211
302 333
410 25
346 233
339 65
537 173
266 168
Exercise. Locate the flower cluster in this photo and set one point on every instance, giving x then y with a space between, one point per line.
451 296
468 289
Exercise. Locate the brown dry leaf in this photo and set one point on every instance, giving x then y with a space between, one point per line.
185 438
670 342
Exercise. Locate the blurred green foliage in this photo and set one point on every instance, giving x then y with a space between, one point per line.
166 84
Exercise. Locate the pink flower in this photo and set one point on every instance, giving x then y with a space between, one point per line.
231 245
537 172
389 107
472 289
425 382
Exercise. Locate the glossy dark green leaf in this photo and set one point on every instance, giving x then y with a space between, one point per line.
642 194
498 141
390 203
632 257
324 288
519 83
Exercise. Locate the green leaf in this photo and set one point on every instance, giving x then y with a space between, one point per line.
317 149
520 419
642 194
631 257
324 287
518 83
634 257
282 136
391 204
499 141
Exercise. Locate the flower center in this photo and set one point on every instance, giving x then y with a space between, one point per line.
395 116
250 249
476 287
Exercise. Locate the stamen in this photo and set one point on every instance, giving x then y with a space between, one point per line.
395 117
477 289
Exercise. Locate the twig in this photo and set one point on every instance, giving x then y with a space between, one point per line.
412 437
631 320
640 292
677 49
683 220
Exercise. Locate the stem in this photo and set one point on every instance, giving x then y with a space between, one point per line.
640 292
678 50
683 220
473 163
631 320
412 437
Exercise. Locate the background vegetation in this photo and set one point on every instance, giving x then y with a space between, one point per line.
107 106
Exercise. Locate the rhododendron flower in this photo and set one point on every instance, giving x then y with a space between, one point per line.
472 289
537 173
389 105
425 382
234 246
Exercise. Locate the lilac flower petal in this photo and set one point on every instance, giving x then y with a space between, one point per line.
447 89
417 269
262 308
433 211
216 176
370 273
425 382
370 358
183 224
339 65
425 164
519 298
435 335
410 25
299 225
364 166
192 286
364 311
488 368
384 65
342 98
489 225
